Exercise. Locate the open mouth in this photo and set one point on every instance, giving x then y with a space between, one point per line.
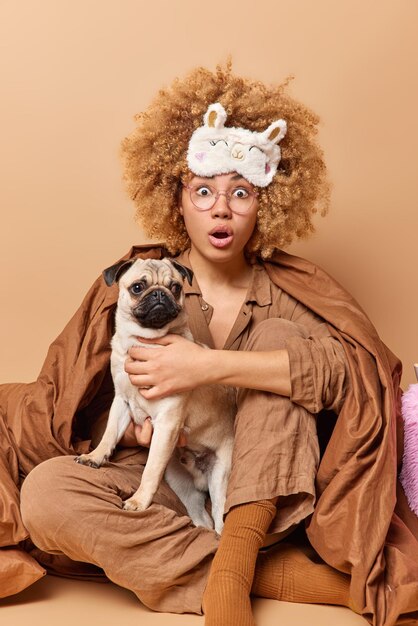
220 237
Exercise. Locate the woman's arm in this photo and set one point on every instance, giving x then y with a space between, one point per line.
180 365
312 371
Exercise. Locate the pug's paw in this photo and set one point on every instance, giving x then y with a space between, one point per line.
133 504
90 460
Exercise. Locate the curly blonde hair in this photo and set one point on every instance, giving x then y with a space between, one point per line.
155 157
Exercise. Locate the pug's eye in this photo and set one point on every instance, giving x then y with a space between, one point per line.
175 289
136 288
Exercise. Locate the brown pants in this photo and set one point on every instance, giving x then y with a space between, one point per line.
75 510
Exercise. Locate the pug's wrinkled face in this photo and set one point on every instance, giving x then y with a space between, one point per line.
151 292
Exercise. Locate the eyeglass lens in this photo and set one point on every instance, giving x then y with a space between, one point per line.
239 200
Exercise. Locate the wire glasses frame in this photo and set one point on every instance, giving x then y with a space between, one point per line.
238 204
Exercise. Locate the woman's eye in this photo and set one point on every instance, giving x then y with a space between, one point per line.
136 288
204 191
240 193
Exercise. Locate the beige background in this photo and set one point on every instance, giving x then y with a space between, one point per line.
73 74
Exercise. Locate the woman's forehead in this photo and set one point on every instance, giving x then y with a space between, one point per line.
230 177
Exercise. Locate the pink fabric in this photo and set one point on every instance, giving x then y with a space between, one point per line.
409 474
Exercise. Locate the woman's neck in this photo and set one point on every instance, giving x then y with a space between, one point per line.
234 273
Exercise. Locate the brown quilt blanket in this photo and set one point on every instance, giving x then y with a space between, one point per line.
361 525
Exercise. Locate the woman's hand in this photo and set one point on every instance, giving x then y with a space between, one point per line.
137 435
176 365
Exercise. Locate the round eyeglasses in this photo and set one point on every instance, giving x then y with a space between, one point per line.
239 199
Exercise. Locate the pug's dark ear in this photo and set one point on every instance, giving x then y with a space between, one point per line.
113 274
184 271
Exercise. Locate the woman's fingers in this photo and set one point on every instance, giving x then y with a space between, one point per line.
129 439
144 433
141 435
134 366
142 381
140 353
162 341
138 374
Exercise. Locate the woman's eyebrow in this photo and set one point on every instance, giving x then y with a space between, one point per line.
204 178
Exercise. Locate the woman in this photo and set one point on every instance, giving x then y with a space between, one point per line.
294 344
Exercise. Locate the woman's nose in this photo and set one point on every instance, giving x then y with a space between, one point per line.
221 207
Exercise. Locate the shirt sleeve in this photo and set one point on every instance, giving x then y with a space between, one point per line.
319 374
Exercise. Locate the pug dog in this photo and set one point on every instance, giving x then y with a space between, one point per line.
150 305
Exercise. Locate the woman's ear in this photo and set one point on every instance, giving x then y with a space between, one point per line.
180 201
180 191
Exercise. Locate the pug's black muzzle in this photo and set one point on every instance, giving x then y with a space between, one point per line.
156 309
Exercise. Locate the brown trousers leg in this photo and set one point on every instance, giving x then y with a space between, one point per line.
276 451
158 554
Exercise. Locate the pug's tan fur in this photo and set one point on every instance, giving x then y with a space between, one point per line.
206 413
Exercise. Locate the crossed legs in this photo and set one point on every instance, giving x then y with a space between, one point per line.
160 555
